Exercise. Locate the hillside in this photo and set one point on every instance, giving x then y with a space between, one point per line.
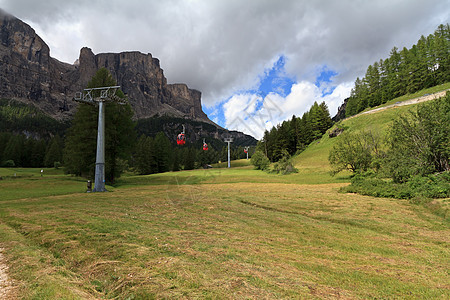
378 119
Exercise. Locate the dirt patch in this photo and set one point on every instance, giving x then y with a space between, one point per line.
407 102
7 289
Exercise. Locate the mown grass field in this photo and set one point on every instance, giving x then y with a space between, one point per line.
221 233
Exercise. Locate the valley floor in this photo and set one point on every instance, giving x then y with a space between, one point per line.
232 234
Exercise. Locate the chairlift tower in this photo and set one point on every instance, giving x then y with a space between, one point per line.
228 140
98 96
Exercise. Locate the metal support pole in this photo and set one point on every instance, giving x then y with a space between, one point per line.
228 154
229 140
100 158
90 96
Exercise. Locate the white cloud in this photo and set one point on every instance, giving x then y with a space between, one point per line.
222 47
275 109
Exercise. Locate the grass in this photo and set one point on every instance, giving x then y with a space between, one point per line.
220 233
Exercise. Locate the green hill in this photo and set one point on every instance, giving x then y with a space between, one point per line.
314 160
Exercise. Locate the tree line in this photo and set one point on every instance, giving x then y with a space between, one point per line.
157 155
406 71
22 151
152 152
296 134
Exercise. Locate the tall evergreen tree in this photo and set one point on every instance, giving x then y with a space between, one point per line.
81 139
13 149
54 152
163 153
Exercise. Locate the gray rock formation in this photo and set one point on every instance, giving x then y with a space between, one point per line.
29 74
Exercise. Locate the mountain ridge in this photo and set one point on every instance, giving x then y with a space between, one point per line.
29 74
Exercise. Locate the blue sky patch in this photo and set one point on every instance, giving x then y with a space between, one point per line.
324 79
274 80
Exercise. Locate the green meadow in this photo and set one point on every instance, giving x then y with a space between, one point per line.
221 233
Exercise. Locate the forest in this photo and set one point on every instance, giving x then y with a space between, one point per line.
294 135
405 71
425 65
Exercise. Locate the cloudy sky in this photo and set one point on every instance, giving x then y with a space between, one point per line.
257 62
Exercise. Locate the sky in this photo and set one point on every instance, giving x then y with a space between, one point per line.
256 62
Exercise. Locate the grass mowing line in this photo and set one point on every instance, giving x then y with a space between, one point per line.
196 242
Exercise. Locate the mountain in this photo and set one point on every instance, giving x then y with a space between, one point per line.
30 75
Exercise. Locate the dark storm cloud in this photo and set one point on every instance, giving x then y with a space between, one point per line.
220 47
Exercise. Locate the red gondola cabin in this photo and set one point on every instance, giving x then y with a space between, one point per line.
205 147
181 139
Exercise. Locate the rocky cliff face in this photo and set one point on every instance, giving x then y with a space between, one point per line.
29 74
340 115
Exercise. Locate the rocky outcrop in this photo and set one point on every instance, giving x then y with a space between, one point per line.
29 74
340 115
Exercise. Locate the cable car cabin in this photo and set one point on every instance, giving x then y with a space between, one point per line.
245 151
181 139
205 147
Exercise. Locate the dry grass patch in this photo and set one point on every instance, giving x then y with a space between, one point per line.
236 240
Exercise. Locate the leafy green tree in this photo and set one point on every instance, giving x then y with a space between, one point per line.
419 142
355 152
260 161
284 165
81 139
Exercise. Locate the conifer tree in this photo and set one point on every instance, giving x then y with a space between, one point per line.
81 139
163 153
54 152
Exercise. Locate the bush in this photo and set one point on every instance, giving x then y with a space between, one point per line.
260 161
284 165
8 164
419 142
432 186
356 152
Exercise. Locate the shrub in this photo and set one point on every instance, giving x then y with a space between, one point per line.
355 152
260 161
419 141
432 186
284 165
8 164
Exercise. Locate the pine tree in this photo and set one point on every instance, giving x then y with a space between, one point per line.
54 152
144 157
81 139
13 149
163 153
38 153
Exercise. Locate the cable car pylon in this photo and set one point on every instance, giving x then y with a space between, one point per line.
246 150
